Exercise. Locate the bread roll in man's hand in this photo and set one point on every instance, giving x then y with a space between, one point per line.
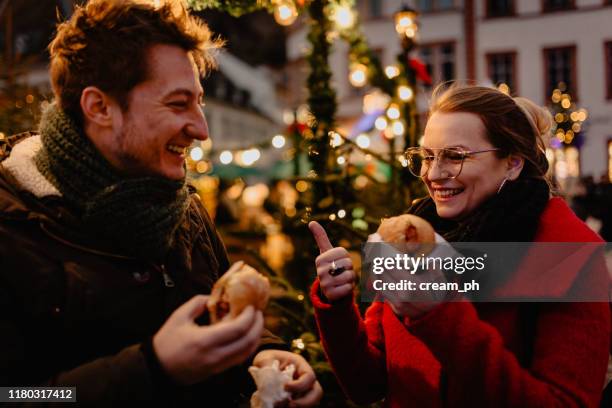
238 288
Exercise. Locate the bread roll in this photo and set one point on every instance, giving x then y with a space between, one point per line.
238 288
405 229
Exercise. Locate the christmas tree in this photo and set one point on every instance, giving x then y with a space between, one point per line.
568 119
345 197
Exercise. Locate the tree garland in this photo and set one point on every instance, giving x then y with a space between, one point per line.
321 98
236 8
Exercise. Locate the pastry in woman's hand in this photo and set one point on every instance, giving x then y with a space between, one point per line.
406 228
409 232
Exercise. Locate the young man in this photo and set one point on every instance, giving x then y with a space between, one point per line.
105 251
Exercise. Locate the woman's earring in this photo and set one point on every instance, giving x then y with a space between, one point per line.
502 184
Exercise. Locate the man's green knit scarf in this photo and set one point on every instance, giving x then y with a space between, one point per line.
139 215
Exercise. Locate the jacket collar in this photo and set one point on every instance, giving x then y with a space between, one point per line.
21 166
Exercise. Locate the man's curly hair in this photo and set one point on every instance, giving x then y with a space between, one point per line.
105 44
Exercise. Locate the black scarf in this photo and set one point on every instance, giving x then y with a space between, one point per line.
139 215
510 216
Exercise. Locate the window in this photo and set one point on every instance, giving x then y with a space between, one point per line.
376 8
439 59
557 5
608 60
499 8
435 5
370 8
502 69
560 66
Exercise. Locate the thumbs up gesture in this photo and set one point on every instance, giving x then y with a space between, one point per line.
334 266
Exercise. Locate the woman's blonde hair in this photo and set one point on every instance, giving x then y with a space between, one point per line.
516 126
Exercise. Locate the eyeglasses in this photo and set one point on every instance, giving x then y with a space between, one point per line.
450 160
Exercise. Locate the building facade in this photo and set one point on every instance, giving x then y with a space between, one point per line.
529 45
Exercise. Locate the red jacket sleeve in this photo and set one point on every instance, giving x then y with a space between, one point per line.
354 347
569 357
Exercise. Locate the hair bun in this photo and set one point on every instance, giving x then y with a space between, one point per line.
540 118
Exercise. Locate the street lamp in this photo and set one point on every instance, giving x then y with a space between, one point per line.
406 24
407 123
407 27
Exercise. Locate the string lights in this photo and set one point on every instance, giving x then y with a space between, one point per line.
285 12
568 120
342 15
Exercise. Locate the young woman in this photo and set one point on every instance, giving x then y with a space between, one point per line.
484 164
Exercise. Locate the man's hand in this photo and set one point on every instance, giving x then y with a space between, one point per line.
305 389
338 286
190 353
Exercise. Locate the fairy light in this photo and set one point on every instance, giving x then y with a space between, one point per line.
301 186
398 128
285 12
363 141
392 71
226 157
405 93
299 343
566 101
343 16
202 167
406 23
335 139
278 141
250 156
358 75
380 123
196 154
393 112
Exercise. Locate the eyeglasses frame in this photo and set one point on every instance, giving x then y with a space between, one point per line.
464 155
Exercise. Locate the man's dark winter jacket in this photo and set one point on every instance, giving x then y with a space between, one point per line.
74 312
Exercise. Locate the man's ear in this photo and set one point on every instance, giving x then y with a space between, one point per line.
97 107
515 166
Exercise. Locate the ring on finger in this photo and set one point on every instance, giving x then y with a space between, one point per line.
335 270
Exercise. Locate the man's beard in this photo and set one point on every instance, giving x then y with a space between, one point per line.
127 153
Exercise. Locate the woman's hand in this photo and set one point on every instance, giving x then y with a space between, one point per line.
334 266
